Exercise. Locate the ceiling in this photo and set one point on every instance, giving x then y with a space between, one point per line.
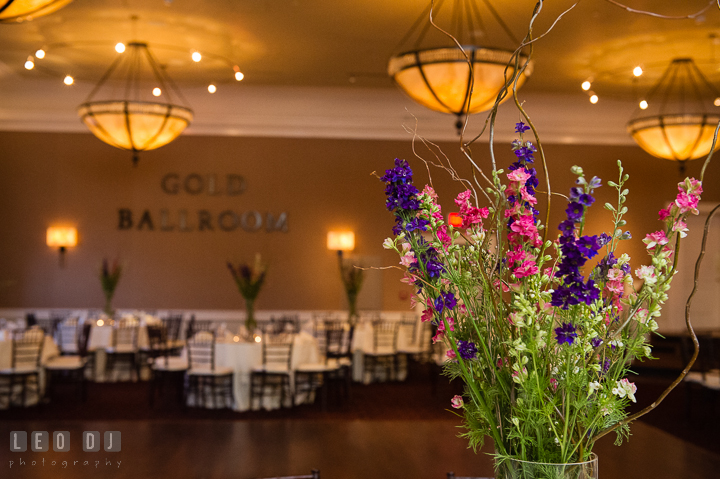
336 51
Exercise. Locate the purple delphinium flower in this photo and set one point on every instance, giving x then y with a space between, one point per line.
445 300
521 127
595 342
466 349
575 211
566 333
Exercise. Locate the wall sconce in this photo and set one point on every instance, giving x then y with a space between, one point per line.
62 238
341 241
455 220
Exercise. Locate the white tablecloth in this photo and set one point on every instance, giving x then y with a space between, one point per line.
243 357
49 350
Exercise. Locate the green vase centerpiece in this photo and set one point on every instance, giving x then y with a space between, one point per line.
352 278
249 279
109 278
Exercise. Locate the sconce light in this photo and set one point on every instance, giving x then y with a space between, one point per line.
62 238
341 241
455 220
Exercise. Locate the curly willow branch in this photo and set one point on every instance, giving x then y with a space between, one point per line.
690 329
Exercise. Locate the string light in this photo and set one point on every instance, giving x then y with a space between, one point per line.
717 101
586 85
29 64
196 57
40 54
157 91
239 76
212 88
120 47
637 71
68 80
594 99
643 105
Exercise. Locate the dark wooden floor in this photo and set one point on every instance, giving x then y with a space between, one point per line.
357 449
387 430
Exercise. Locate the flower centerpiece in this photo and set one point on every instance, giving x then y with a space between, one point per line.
109 278
352 278
541 337
249 279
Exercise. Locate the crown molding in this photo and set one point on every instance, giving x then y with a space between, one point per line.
313 112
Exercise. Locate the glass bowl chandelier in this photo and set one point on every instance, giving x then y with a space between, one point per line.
676 122
439 77
134 120
14 11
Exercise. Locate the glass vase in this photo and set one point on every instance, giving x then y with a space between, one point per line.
517 469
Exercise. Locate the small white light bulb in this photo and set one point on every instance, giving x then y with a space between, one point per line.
643 105
68 80
157 91
594 99
120 47
196 57
586 85
637 71
717 101
29 64
239 76
40 54
212 88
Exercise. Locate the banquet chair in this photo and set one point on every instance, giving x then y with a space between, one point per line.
203 374
165 370
283 325
419 346
334 370
275 372
49 325
383 357
314 474
195 326
124 348
172 325
70 368
25 368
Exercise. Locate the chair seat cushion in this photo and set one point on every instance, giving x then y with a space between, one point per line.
19 370
121 349
272 369
66 362
173 364
316 368
210 372
339 362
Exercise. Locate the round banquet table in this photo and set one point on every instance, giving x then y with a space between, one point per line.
49 350
243 357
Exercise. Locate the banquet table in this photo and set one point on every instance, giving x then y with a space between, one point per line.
242 357
49 350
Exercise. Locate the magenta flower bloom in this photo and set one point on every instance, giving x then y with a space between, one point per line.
457 402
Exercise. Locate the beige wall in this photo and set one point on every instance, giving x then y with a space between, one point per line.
48 178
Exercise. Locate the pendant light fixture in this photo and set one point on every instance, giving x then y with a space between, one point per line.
675 120
15 11
141 114
436 74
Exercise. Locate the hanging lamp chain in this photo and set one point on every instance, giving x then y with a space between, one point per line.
465 15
